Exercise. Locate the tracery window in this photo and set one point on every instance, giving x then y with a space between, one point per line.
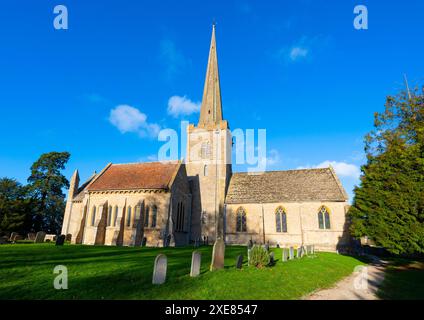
241 225
280 220
324 218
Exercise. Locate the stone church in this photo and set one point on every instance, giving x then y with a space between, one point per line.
178 202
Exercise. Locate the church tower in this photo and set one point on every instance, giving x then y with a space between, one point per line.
208 158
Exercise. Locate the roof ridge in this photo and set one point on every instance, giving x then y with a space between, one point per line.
272 171
147 162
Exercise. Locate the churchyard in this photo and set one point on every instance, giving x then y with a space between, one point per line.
105 272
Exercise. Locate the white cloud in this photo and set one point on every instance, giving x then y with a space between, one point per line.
182 106
342 169
302 49
298 53
130 119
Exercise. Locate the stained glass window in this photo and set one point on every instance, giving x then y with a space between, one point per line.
241 220
154 216
324 218
280 220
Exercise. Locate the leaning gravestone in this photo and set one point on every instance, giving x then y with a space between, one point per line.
291 253
159 269
39 237
60 240
239 262
218 255
285 254
196 259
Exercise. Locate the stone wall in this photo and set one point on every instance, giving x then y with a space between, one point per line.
302 224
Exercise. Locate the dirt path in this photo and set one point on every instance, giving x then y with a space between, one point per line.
360 285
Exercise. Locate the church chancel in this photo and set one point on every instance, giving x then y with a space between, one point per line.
176 203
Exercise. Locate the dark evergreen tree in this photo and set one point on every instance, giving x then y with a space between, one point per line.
389 202
14 206
46 184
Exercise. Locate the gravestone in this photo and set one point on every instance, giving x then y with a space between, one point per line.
285 254
291 253
248 255
39 237
299 252
218 255
12 236
159 269
250 244
239 262
144 242
31 236
278 245
313 249
271 258
60 240
266 246
68 237
196 260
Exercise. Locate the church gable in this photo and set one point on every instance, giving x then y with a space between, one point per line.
290 186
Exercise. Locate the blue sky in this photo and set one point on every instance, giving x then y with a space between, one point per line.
298 69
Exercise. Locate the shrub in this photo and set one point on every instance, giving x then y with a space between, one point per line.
259 257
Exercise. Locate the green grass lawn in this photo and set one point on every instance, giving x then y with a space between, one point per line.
103 272
404 279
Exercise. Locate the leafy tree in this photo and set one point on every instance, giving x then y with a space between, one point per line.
389 203
45 184
14 206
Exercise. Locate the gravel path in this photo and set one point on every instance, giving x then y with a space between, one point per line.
362 284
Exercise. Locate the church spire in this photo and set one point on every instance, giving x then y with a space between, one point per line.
211 109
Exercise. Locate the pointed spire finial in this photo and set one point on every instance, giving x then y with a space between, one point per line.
211 109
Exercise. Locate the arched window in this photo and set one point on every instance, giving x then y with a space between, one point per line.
146 216
129 217
280 220
137 212
241 220
324 218
180 217
115 216
109 216
93 216
154 216
205 170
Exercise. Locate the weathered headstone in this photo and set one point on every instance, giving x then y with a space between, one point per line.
159 269
285 254
12 236
31 236
250 244
248 255
144 242
60 240
39 237
196 260
271 258
313 249
218 255
68 237
299 252
239 261
267 246
291 253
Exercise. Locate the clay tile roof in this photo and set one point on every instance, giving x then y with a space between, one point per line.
291 185
148 175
